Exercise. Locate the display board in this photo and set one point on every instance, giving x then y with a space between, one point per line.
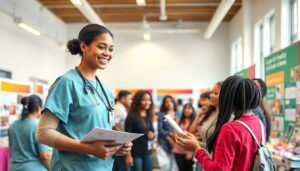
248 72
183 94
282 76
11 93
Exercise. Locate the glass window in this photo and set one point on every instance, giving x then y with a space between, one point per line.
236 56
261 49
294 20
272 33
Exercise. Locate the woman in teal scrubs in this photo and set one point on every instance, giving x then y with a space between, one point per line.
27 154
78 102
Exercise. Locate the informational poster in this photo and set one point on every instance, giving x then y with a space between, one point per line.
282 75
11 93
41 90
248 72
183 94
132 91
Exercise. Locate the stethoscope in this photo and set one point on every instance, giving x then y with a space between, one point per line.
89 87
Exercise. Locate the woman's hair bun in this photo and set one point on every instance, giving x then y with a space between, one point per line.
24 101
73 46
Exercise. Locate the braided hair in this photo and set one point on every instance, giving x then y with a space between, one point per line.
238 95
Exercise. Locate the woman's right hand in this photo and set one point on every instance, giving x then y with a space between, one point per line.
150 135
102 150
129 160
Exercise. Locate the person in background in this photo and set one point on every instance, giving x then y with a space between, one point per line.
179 108
261 111
191 101
78 102
232 144
139 121
27 153
152 144
205 122
123 103
184 158
165 130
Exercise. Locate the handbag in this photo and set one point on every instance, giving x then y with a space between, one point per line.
159 157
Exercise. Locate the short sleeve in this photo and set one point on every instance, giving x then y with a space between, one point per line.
42 147
59 100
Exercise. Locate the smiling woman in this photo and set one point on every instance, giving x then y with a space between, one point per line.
78 102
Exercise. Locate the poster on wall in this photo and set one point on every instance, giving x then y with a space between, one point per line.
132 91
41 90
183 94
282 75
11 93
248 72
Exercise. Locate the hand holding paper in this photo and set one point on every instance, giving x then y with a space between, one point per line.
172 122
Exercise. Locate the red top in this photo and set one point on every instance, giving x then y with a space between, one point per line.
235 148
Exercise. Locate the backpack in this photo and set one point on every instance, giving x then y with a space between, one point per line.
263 159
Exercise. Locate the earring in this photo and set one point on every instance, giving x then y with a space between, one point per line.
83 53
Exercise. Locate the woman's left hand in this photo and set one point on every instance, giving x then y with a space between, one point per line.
188 142
126 148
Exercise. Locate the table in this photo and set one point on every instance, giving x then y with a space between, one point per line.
5 158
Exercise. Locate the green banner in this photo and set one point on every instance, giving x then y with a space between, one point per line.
282 75
248 72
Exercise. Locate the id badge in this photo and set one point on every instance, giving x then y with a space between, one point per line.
111 117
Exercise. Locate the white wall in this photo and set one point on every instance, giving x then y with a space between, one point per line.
258 9
261 8
27 55
167 61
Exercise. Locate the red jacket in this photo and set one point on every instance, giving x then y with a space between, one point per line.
235 148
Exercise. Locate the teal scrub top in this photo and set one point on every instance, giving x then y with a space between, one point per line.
78 113
24 147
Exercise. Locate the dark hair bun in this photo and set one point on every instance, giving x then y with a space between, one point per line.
24 101
73 46
30 104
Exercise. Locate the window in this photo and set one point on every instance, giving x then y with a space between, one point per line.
236 56
294 20
260 63
5 74
272 33
264 41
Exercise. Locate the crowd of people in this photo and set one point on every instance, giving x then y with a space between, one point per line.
78 102
200 122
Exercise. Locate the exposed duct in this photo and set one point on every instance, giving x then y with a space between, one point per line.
86 9
163 14
220 13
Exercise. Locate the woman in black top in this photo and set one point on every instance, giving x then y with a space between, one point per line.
139 121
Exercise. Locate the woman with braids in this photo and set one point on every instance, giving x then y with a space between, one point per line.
232 145
261 111
27 153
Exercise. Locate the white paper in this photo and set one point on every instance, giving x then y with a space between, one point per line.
298 92
290 93
118 137
290 114
172 122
